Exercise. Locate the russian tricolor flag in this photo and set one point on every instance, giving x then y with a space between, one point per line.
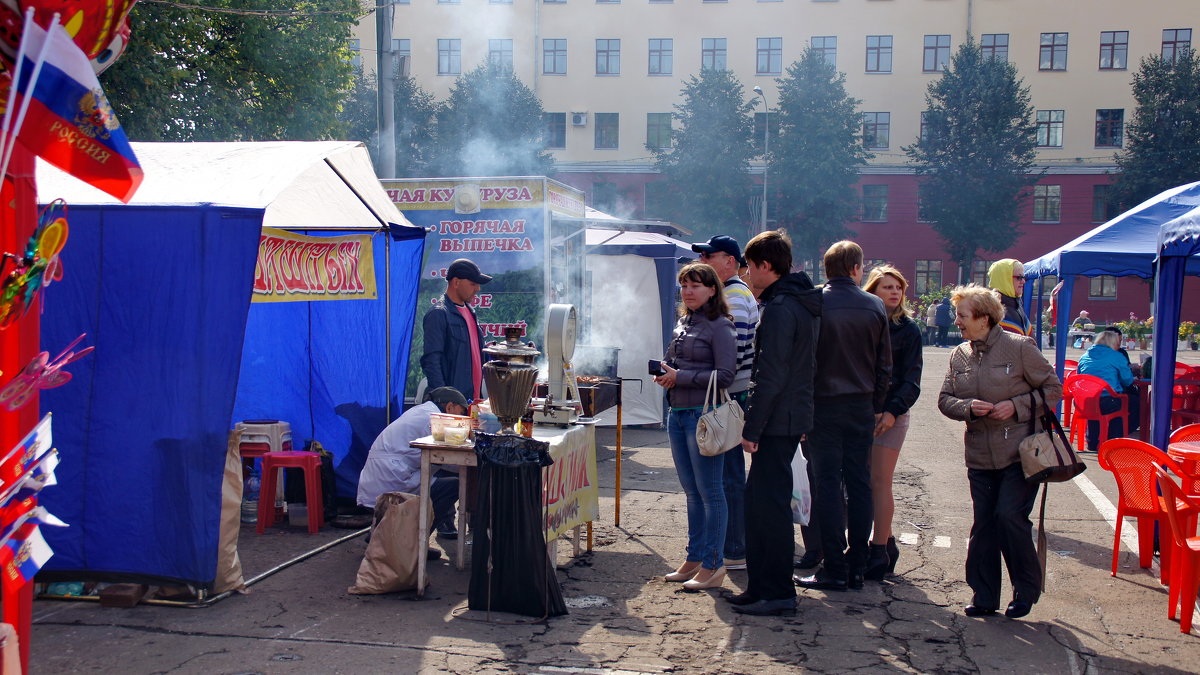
69 122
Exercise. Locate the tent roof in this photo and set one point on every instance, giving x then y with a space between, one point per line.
1181 236
644 243
327 184
1124 246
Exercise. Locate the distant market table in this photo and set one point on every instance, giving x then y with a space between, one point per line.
570 490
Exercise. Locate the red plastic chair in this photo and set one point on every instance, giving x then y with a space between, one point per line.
1086 391
1185 574
1186 397
1132 463
310 463
1069 368
1185 434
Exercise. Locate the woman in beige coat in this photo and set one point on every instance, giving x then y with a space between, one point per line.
992 383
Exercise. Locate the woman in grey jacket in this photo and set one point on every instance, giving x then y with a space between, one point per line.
704 343
992 383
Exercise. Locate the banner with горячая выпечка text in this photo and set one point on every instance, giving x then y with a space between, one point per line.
299 268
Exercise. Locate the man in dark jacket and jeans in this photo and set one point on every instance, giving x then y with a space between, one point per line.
779 412
854 357
453 355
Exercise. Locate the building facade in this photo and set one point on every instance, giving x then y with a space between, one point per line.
609 73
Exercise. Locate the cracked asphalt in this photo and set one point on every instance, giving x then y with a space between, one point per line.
626 619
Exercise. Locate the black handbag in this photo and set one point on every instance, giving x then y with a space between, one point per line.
1047 455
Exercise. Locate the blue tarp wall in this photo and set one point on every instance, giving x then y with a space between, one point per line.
163 293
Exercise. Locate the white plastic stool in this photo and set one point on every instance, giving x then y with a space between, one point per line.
276 435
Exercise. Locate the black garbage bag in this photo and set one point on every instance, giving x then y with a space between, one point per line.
510 571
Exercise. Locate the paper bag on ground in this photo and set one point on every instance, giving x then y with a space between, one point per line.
390 563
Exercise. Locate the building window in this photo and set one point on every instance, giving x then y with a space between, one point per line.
660 56
1050 128
879 53
449 56
1103 287
827 46
994 46
815 268
604 196
876 130
760 131
1047 203
1114 49
875 203
1110 127
608 57
554 57
656 200
1175 42
355 47
712 53
923 215
926 117
928 276
769 56
1049 281
1053 54
607 128
556 130
402 51
937 53
658 130
979 271
500 54
1103 208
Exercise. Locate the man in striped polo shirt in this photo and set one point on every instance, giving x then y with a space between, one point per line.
724 254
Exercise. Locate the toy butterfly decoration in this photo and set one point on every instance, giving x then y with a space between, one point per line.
41 373
39 265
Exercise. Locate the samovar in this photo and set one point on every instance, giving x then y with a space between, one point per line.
510 377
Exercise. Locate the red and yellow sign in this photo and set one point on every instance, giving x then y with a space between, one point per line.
570 490
299 268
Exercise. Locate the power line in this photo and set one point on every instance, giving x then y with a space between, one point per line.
284 13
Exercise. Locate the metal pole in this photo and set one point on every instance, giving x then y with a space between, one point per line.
385 73
766 153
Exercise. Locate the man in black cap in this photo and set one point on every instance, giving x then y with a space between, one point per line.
453 353
725 256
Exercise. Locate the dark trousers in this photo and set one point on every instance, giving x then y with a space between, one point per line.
840 445
943 336
735 495
770 539
1002 501
1116 426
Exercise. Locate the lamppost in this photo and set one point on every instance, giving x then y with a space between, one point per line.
766 153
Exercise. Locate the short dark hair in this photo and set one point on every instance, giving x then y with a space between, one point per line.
772 248
841 258
444 396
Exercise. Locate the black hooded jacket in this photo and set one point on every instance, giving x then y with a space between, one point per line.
781 389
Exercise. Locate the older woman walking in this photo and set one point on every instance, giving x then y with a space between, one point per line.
704 343
992 384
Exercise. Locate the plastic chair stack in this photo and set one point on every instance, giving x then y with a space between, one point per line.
1133 463
1085 392
262 436
1185 572
1185 403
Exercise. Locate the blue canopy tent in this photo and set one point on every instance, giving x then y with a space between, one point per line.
1178 248
1124 246
163 288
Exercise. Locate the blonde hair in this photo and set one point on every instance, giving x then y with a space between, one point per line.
876 277
981 301
1109 339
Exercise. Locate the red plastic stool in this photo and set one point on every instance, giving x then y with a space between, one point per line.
310 463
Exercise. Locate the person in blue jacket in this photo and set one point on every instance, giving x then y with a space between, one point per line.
1102 360
453 354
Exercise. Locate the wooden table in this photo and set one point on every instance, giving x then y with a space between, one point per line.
433 452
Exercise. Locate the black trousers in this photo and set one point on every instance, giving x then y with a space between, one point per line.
840 453
770 538
1002 501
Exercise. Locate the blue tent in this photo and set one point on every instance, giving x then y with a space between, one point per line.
1178 247
1124 246
163 287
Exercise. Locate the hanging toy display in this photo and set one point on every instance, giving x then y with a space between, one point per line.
41 373
24 276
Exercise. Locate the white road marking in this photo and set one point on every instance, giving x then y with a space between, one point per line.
941 541
909 538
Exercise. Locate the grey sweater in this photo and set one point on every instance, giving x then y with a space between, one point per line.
699 347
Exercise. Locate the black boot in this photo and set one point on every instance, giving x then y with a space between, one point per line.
877 562
893 552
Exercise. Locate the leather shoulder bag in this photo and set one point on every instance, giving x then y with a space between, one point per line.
719 429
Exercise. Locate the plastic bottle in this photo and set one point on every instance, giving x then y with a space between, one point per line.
250 490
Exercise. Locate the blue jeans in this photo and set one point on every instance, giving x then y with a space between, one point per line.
701 479
735 496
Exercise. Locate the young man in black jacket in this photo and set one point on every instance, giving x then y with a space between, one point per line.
779 412
453 353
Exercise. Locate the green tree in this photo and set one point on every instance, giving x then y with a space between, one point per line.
491 126
415 110
1164 135
707 168
196 75
816 154
977 154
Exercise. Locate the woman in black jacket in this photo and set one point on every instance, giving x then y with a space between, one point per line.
889 284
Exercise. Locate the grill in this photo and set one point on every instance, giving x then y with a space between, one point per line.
598 393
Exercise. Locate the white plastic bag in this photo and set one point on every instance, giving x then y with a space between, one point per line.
801 492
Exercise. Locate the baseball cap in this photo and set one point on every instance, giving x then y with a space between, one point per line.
466 269
724 244
443 395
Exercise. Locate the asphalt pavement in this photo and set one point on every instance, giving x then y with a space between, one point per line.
625 619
